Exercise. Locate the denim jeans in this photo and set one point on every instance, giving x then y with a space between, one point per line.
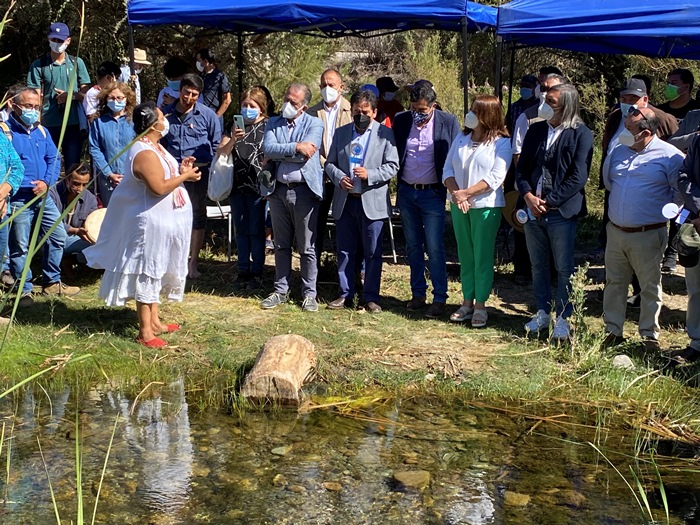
248 212
552 231
75 246
20 236
423 221
72 146
4 240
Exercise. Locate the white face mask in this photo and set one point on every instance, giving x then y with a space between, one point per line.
537 91
545 111
200 66
288 111
166 128
389 96
329 94
58 47
471 121
627 139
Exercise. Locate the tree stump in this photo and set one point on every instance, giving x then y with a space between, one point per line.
281 367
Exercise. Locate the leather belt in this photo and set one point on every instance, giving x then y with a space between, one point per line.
356 195
433 186
639 229
292 185
202 164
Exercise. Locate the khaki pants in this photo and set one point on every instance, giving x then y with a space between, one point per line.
692 317
638 253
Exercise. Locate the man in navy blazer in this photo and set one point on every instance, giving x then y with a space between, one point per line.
423 138
292 141
361 162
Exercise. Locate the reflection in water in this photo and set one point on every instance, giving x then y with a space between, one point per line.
170 467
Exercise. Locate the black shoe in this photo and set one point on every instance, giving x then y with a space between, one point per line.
634 301
669 263
241 281
435 310
611 340
255 284
683 357
415 304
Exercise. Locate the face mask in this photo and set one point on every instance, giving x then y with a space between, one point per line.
362 122
29 116
538 91
116 105
625 109
166 128
526 93
420 118
288 111
389 96
200 67
58 47
138 71
174 85
671 92
471 121
627 139
545 111
329 94
250 114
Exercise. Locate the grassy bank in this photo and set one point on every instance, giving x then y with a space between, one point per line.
397 352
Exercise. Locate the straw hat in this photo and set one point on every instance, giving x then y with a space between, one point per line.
511 208
140 57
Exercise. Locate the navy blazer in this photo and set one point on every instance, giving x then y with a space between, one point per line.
445 130
568 162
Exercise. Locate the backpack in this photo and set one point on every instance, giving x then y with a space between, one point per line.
44 62
8 132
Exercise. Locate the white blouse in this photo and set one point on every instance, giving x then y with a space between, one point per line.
470 163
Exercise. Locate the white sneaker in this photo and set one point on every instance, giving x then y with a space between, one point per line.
562 330
539 321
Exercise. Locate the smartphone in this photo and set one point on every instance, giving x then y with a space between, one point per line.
238 122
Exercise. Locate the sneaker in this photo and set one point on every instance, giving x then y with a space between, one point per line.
435 310
269 246
416 303
686 356
60 288
6 279
309 305
273 301
669 263
634 301
562 330
539 321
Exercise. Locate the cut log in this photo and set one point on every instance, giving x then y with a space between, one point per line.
281 367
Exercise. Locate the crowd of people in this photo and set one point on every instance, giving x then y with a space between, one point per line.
151 163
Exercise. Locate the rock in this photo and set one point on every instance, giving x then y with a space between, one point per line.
281 451
279 481
515 499
333 486
415 479
410 461
297 489
571 498
200 472
623 361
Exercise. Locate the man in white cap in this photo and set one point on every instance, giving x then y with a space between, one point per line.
140 60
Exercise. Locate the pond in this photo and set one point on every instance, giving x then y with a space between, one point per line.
392 463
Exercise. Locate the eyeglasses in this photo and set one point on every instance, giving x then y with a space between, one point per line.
635 111
117 99
28 106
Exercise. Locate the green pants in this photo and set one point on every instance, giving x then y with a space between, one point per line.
476 238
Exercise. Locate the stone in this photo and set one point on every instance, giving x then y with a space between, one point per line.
415 479
298 489
279 481
623 361
571 498
515 499
281 451
333 486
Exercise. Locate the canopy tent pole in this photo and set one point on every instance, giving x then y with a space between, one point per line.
497 76
510 76
465 70
239 64
132 67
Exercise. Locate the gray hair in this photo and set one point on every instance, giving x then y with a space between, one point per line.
299 86
569 102
649 122
560 78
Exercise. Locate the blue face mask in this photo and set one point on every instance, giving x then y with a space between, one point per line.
420 118
116 105
30 116
526 93
625 109
174 85
250 114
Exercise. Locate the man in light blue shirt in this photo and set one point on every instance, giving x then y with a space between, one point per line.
641 174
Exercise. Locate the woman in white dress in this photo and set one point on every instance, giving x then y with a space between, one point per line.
145 237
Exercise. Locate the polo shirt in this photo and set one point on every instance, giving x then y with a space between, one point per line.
54 76
196 133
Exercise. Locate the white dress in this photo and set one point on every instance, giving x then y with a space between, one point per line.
144 241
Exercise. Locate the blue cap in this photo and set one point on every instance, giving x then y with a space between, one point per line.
59 31
370 87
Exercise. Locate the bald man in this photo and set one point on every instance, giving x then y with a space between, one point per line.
334 111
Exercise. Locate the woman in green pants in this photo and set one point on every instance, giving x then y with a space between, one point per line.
474 171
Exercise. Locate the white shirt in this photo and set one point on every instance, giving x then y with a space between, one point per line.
363 141
90 100
331 118
519 133
615 140
553 135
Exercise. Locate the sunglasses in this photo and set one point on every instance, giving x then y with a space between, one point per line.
634 112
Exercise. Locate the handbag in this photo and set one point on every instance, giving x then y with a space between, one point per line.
220 178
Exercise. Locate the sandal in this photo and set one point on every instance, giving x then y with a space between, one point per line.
156 342
173 327
479 318
464 313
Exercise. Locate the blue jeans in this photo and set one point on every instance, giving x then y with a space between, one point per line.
552 231
248 212
423 221
75 246
4 240
72 146
20 235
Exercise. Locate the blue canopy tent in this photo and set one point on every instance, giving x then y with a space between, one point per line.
655 28
328 18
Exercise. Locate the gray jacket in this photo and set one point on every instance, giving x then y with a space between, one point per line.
381 162
687 131
689 178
